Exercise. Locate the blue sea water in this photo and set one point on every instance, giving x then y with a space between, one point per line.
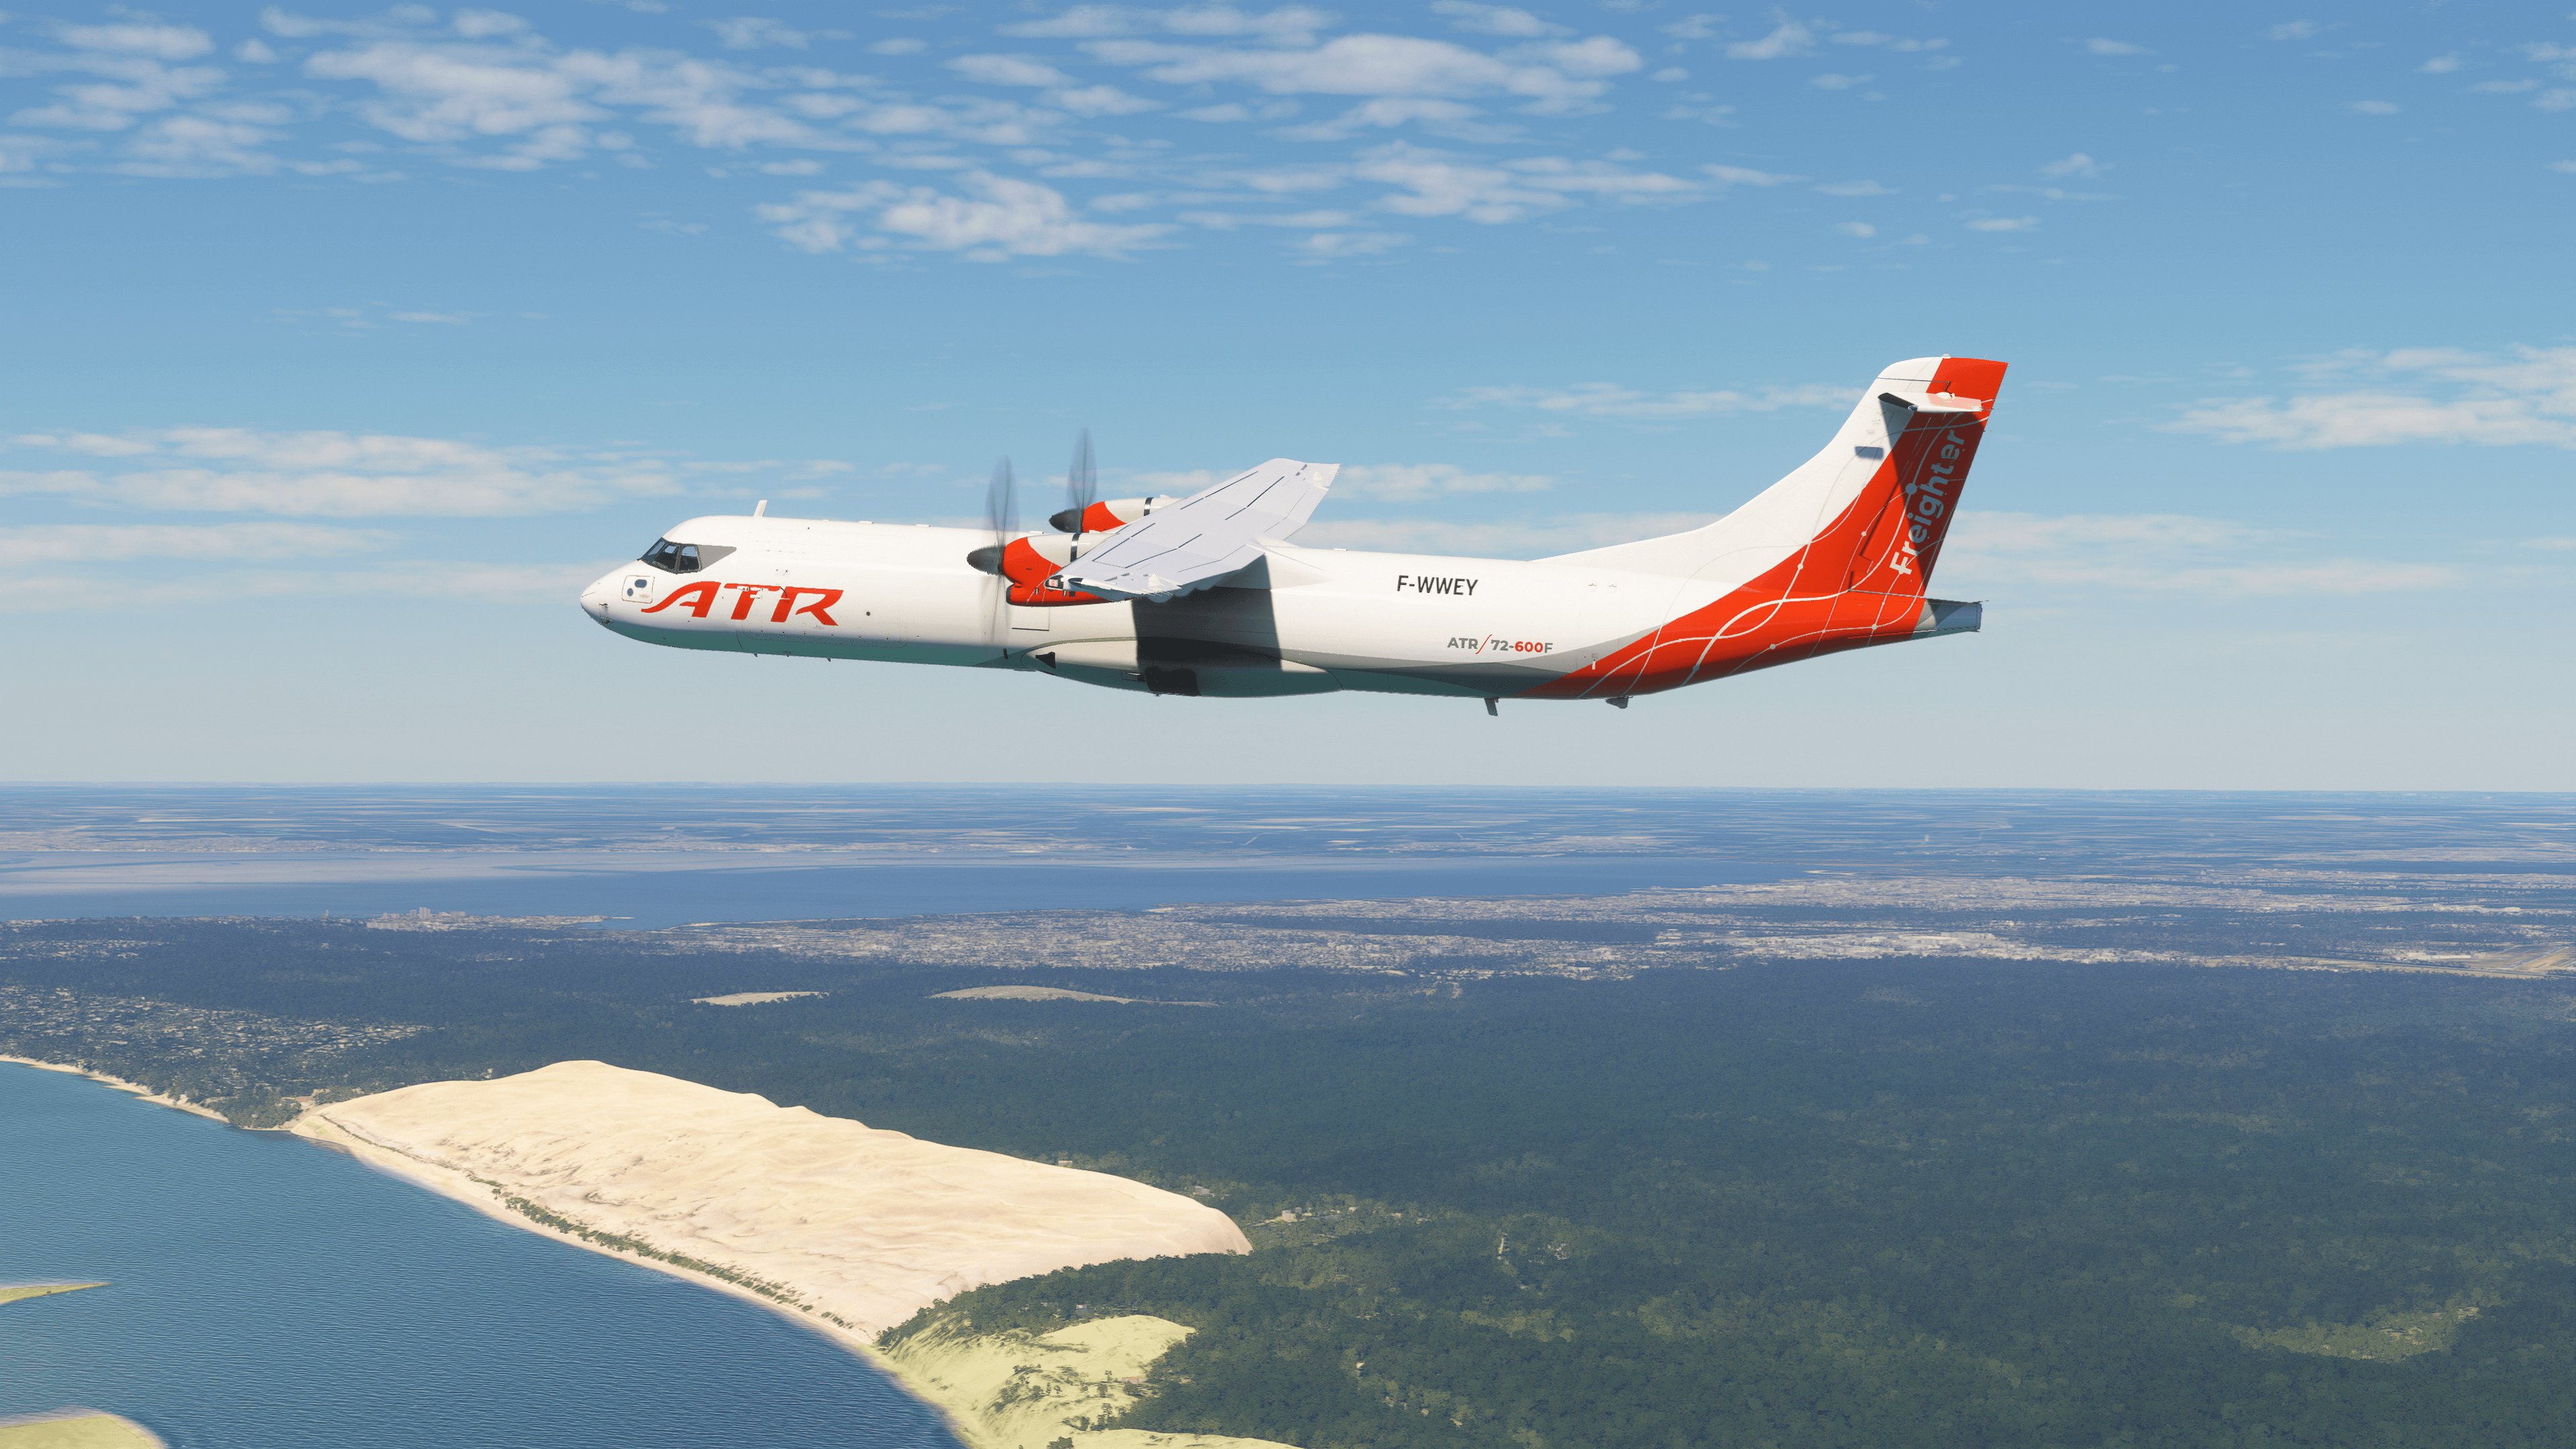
269 1293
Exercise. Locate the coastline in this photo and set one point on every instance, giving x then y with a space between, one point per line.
453 1183
122 1085
927 1381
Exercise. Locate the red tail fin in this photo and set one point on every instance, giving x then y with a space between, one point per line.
1917 494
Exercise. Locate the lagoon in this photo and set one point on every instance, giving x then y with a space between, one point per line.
265 1291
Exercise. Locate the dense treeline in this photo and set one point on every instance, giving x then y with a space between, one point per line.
1812 1204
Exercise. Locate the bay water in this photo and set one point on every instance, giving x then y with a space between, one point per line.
265 1291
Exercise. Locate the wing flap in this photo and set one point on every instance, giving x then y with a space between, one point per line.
1199 541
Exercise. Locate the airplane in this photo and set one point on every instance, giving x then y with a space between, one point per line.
1208 596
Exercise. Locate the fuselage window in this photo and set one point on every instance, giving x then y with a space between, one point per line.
678 558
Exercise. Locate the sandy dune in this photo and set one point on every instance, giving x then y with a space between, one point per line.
752 998
864 1225
1019 1390
1049 993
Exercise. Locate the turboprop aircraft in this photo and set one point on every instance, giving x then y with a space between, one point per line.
1208 595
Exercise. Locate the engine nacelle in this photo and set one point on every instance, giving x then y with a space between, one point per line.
1114 513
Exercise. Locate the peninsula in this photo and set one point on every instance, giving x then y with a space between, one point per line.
851 1227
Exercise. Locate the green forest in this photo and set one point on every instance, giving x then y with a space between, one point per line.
1915 1202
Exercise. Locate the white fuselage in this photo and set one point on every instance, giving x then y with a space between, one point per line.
1328 619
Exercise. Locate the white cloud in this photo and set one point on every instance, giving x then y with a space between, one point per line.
1435 183
2165 554
1089 101
1002 217
1493 19
1831 82
898 45
2440 65
1535 538
1328 246
1786 39
1856 188
1008 70
160 42
2524 396
1407 482
2294 30
1745 176
2099 46
1853 228
1287 25
2375 108
130 85
1552 77
1891 42
1609 400
2567 167
46 543
338 475
1455 120
750 32
2004 223
2078 164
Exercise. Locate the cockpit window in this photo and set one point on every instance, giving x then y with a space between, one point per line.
678 558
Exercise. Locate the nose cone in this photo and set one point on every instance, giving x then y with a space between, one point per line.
594 600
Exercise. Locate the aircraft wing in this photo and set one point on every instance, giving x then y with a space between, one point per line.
1195 543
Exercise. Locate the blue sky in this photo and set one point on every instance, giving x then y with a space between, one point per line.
346 344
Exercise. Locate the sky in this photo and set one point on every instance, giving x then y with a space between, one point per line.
345 345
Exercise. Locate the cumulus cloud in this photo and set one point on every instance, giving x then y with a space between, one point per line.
1008 70
1493 19
1609 400
1786 39
50 543
1891 42
1550 76
1286 25
335 474
1455 120
2375 108
1746 176
1436 183
2078 164
750 32
2099 46
2004 223
2408 396
1853 228
999 218
1407 482
1329 246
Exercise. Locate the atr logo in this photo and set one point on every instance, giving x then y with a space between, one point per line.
1461 587
701 596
